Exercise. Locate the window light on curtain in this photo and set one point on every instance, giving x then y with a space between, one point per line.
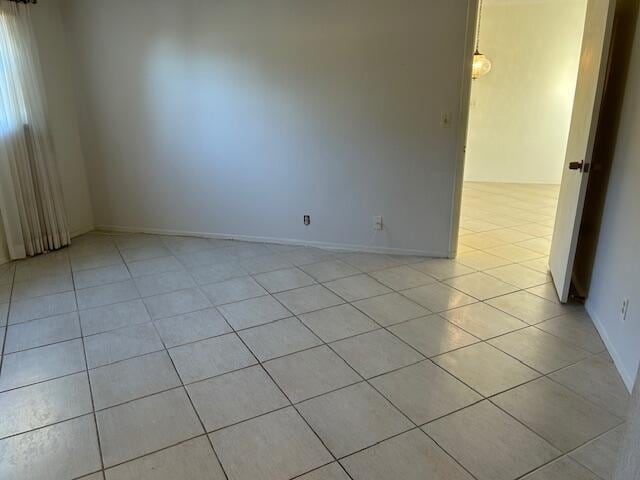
31 206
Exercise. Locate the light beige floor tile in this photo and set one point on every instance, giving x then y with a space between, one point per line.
271 447
248 250
4 313
191 327
597 379
563 469
205 257
333 471
556 414
338 322
137 240
353 418
40 364
97 260
154 266
402 278
369 262
111 317
265 263
279 338
144 252
146 425
482 439
481 260
164 283
193 459
375 353
357 287
313 372
577 330
180 245
115 345
518 275
391 309
328 270
485 369
424 391
442 268
432 335
106 294
93 476
253 312
410 456
37 333
514 253
509 235
482 320
480 285
134 378
176 303
43 404
211 357
219 272
75 441
539 350
308 299
481 241
40 307
546 291
37 287
527 307
234 290
438 297
235 397
541 245
101 276
282 280
306 256
535 229
601 455
539 264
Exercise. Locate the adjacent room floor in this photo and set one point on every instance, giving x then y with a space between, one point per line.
163 357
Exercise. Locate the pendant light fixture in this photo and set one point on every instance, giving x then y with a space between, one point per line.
481 64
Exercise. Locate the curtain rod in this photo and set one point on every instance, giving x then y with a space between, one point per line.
24 1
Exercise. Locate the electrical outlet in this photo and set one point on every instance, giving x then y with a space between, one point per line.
625 309
307 219
445 119
377 221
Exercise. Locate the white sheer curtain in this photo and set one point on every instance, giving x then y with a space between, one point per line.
33 216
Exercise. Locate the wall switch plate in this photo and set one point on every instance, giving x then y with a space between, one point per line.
625 309
377 221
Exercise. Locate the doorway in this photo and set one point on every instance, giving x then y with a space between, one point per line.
522 129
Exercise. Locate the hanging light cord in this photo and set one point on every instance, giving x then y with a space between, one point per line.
478 27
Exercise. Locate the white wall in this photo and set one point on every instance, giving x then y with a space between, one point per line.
520 112
62 113
616 273
238 117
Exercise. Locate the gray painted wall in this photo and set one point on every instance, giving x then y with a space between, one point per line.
239 116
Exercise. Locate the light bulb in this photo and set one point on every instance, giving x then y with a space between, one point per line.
481 65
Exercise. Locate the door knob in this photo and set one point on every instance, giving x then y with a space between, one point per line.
576 165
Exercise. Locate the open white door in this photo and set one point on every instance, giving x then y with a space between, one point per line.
584 119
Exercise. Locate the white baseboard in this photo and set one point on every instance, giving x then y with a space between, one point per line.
283 241
628 377
502 180
82 231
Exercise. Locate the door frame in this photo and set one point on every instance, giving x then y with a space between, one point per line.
463 126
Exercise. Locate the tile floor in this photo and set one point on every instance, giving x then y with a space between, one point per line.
151 357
